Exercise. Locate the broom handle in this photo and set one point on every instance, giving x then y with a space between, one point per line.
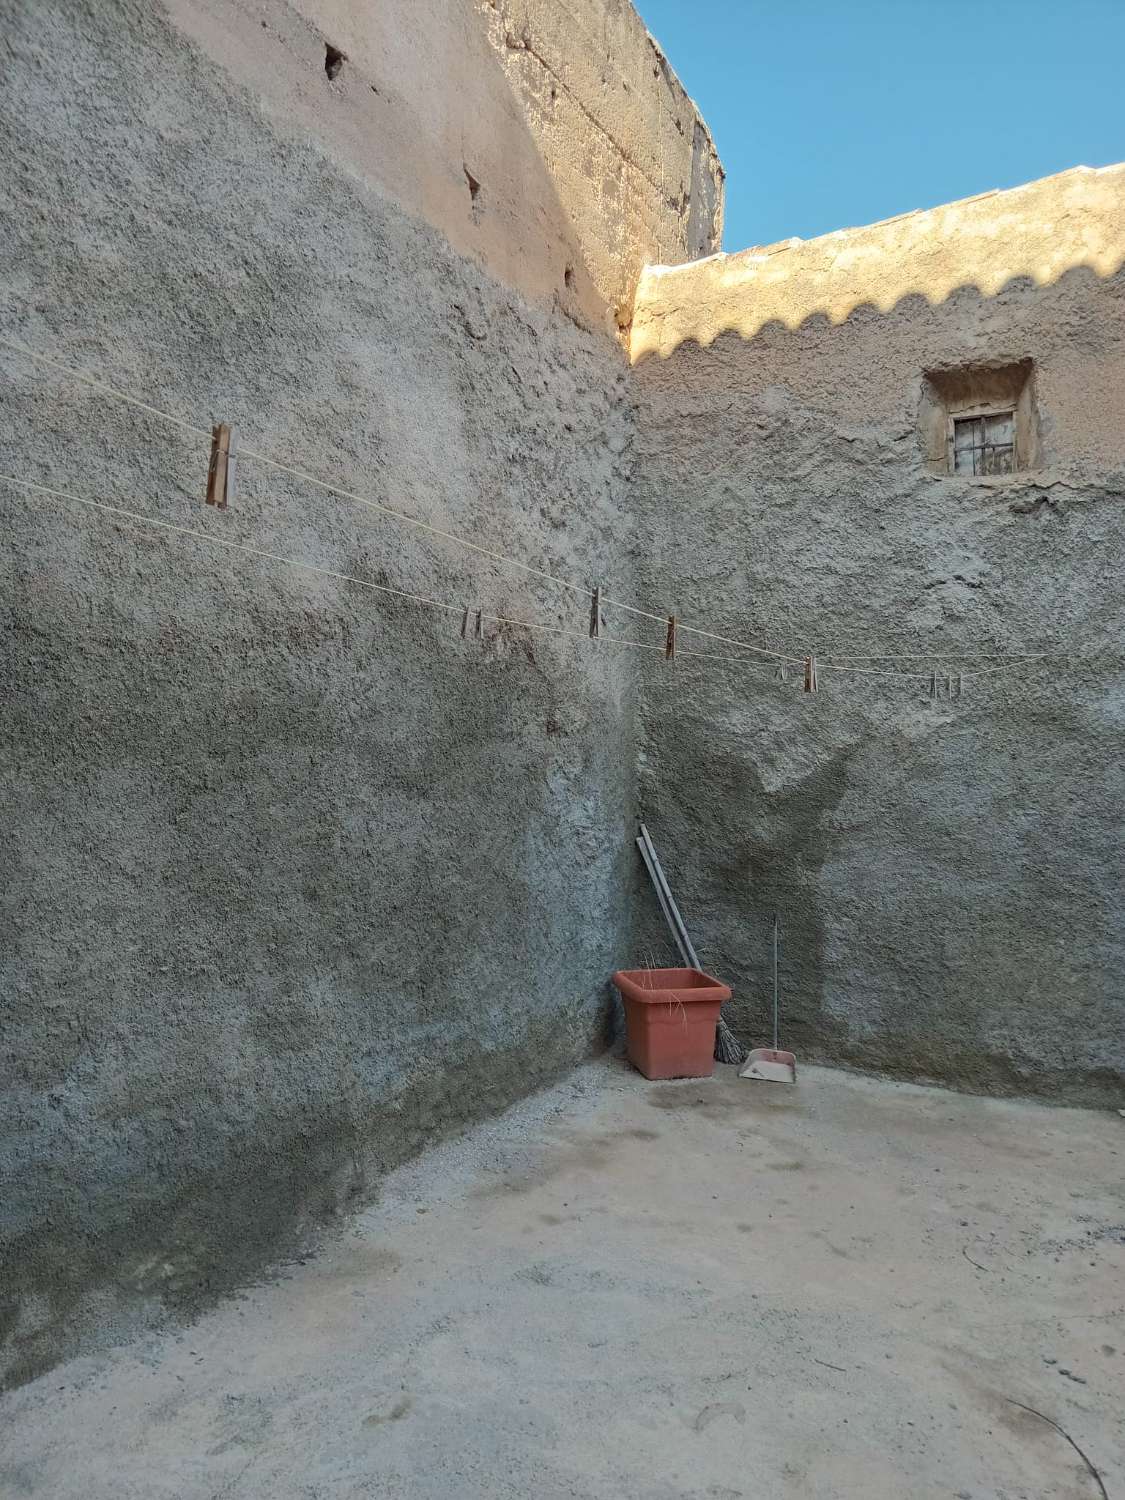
775 981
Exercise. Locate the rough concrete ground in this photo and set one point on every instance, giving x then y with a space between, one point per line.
652 1292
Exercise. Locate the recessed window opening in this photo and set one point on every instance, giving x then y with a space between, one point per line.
984 443
980 421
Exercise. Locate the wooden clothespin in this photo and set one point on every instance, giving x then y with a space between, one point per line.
478 627
670 642
812 683
596 616
220 471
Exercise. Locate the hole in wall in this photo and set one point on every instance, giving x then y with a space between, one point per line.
568 275
474 184
334 60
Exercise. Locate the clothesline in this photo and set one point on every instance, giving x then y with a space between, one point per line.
138 521
790 658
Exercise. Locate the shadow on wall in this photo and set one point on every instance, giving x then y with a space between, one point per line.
1029 236
1045 350
563 154
361 87
649 343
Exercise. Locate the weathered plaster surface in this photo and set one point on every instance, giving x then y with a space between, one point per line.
296 879
300 881
948 874
1036 232
590 158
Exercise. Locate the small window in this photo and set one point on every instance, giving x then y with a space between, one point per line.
980 422
984 443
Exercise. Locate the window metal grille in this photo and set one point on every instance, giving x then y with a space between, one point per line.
985 444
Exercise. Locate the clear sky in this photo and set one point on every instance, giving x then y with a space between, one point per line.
830 113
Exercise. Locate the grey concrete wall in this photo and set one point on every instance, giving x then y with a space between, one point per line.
295 879
948 875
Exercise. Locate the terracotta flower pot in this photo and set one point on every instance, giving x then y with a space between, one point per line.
670 1020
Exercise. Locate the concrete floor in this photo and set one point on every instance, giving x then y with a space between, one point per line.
652 1292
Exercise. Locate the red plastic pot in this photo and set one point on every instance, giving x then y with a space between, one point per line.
670 1020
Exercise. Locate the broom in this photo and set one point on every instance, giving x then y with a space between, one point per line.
728 1049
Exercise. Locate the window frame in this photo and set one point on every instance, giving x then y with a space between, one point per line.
974 413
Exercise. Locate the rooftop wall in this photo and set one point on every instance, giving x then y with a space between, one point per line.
1036 232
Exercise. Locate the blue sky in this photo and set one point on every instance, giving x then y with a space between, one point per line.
829 113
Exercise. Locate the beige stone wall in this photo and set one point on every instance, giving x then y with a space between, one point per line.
590 158
631 159
1038 230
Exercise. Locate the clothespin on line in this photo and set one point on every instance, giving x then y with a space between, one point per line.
670 642
596 616
478 628
812 683
220 471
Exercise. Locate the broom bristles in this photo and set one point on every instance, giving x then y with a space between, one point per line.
728 1049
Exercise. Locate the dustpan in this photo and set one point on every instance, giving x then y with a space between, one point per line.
772 1064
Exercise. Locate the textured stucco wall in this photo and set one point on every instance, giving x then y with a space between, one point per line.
1035 232
295 878
948 875
590 158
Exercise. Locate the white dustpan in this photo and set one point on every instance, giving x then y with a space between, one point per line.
771 1064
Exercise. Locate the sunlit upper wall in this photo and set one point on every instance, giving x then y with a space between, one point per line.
548 139
1038 231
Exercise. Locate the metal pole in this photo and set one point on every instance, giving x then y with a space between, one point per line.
775 981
